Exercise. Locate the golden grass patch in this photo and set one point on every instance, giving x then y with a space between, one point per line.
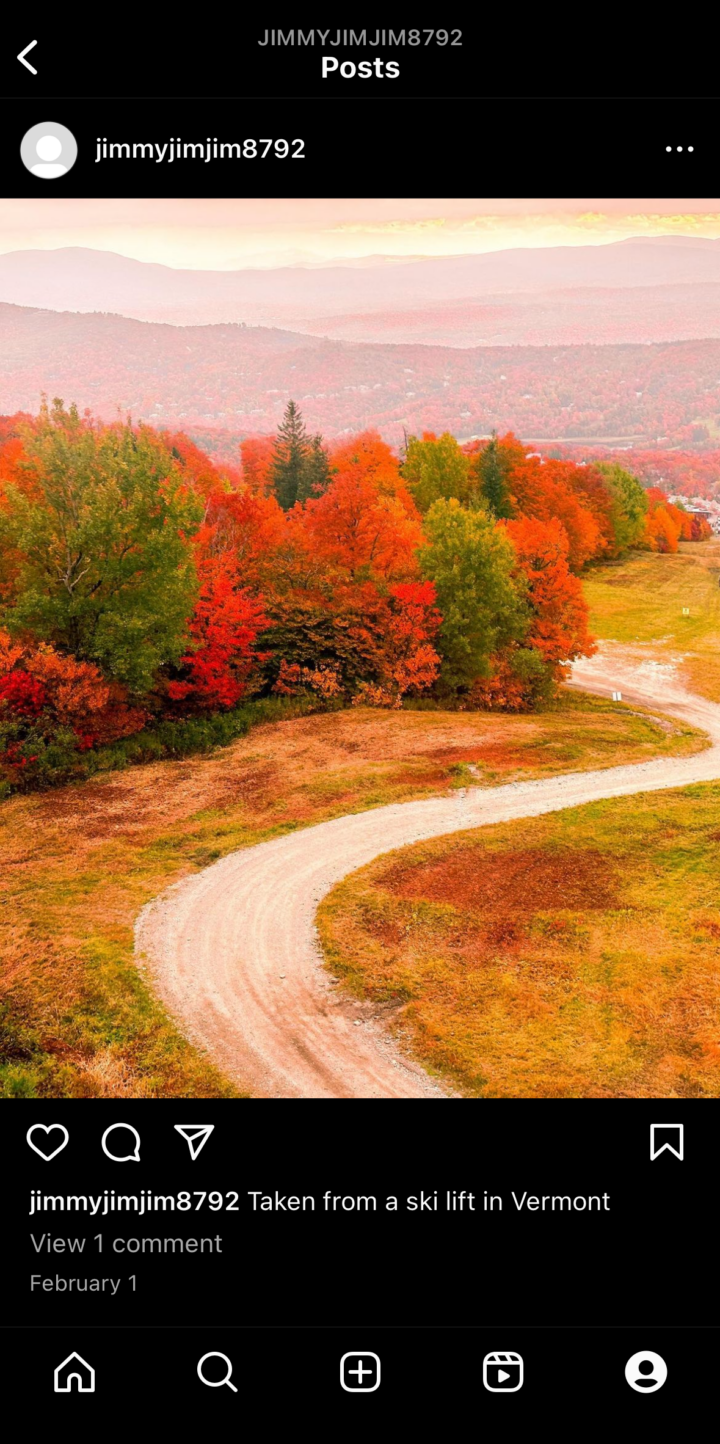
642 599
575 955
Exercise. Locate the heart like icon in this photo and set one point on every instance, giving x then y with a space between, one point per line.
48 1128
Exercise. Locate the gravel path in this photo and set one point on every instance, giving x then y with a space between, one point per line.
233 951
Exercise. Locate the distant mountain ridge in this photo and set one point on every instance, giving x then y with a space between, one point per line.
236 379
306 298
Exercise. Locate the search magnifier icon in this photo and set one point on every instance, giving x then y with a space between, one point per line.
216 1383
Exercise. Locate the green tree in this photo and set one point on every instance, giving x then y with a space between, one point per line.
99 528
471 561
630 503
491 469
290 459
315 474
436 468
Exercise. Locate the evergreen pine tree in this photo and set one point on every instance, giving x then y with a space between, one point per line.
491 469
315 476
290 457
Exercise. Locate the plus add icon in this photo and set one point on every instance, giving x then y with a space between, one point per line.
360 1373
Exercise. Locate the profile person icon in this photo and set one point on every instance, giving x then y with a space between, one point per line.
49 158
645 1375
646 1372
48 150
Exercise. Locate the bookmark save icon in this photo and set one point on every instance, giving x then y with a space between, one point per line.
196 1136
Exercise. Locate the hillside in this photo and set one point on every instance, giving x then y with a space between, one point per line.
652 289
594 315
237 379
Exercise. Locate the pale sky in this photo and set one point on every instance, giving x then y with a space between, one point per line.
231 234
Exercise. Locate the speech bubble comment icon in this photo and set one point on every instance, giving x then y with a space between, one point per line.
121 1143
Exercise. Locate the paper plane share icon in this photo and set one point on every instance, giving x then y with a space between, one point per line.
196 1136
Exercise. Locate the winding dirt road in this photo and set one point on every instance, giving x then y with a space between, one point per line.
233 950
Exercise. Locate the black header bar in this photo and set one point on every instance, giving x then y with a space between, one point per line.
156 148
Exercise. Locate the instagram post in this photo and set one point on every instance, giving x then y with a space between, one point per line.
359 744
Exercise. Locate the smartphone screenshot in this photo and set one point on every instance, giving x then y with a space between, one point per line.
359 737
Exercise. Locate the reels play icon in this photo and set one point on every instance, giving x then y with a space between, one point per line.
503 1373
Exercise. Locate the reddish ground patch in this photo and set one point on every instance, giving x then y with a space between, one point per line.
70 801
493 754
421 777
510 883
389 933
104 808
251 785
505 933
709 926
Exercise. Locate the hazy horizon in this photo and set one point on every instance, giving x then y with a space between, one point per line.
234 234
551 318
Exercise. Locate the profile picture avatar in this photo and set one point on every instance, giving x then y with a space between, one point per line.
48 150
646 1372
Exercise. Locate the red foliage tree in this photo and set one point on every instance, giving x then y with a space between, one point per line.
592 491
559 626
202 474
542 490
412 661
256 456
22 694
366 522
224 629
701 529
246 525
40 684
666 524
663 532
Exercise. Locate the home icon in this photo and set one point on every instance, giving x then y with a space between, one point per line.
74 1373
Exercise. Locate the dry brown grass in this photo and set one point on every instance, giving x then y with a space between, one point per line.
585 965
78 864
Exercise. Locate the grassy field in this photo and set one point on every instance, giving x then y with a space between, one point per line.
641 599
578 956
78 863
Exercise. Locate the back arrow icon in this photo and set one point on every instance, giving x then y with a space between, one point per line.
23 61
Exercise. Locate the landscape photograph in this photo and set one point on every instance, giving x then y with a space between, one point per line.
360 648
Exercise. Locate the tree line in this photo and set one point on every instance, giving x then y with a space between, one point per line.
141 584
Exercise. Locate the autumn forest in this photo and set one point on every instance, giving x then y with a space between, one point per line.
142 587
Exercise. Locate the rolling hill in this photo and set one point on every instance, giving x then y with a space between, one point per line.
236 379
657 289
